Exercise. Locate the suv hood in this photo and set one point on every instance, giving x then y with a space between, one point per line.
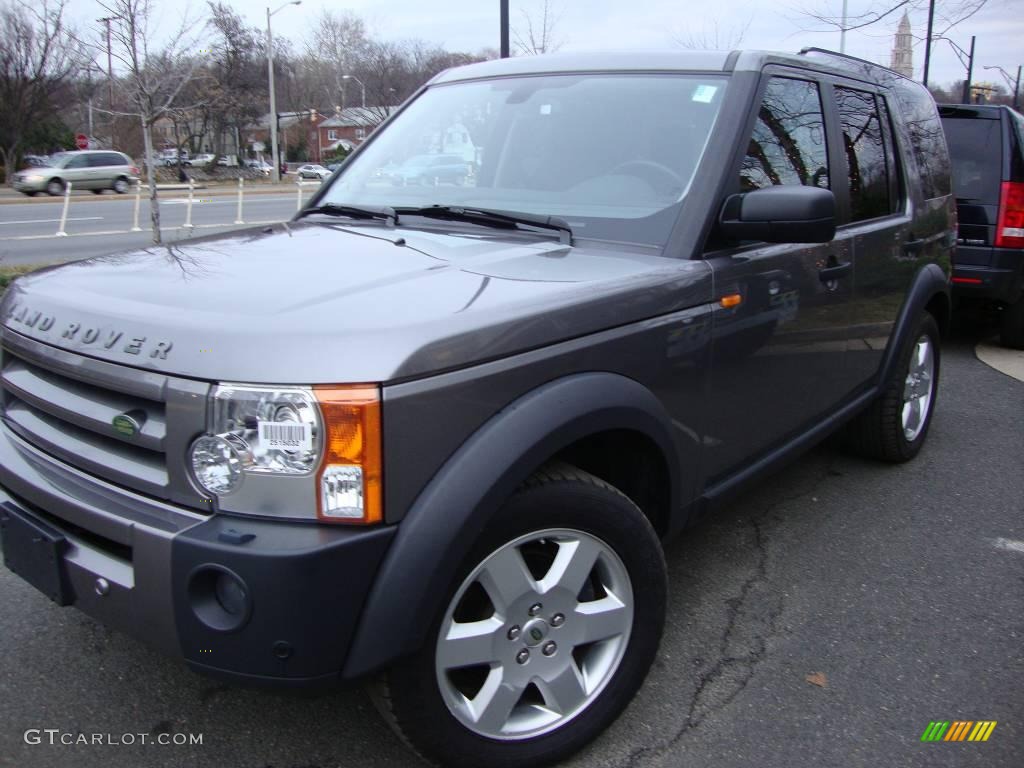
318 303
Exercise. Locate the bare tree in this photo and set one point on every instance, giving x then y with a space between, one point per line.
153 80
39 56
537 33
712 37
948 13
336 48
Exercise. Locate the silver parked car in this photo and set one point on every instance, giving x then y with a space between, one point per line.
91 169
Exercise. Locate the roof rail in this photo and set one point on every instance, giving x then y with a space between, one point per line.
836 54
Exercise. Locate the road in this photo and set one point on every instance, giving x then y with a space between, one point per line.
97 226
900 585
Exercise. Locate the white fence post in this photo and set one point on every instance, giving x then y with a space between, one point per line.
298 197
241 194
64 214
138 199
188 213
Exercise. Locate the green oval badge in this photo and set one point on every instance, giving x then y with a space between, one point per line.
125 425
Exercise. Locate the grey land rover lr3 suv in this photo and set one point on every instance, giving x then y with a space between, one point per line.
433 435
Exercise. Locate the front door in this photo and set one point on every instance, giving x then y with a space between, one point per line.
779 354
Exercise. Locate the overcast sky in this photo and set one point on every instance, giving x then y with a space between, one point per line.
470 25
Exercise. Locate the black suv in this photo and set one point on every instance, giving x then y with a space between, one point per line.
986 145
436 434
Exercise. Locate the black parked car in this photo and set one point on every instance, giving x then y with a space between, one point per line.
986 145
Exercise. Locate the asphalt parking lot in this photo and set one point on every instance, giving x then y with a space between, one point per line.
900 590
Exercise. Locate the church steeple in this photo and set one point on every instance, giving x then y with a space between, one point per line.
903 49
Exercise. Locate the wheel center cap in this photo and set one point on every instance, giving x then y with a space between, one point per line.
535 631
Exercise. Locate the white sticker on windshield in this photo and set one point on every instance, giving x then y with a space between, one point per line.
285 435
545 109
704 93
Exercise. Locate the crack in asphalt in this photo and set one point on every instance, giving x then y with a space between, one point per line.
735 667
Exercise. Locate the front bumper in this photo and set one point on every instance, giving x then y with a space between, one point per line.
38 185
142 567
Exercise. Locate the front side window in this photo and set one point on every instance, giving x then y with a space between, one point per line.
788 143
865 151
614 155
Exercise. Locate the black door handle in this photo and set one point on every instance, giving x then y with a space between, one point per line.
828 274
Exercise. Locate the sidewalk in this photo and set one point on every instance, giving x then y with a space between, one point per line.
10 196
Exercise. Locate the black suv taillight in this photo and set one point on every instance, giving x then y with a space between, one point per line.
1010 224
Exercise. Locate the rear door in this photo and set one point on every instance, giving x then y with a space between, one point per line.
876 220
779 354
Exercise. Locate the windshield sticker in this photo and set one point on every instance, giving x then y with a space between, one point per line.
704 93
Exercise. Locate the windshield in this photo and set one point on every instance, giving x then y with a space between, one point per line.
612 154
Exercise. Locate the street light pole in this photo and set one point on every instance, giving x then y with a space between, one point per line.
1010 81
363 87
275 172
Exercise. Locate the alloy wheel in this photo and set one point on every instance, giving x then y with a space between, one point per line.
534 634
918 388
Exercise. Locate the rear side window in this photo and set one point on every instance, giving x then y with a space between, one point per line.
865 149
975 149
927 140
788 142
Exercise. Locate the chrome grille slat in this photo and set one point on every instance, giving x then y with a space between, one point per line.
128 381
83 404
106 457
64 404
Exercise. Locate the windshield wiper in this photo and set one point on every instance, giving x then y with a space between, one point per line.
491 218
352 212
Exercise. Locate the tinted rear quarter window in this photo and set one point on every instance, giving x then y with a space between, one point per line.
975 149
927 140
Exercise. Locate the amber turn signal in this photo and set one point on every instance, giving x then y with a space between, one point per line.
349 484
731 300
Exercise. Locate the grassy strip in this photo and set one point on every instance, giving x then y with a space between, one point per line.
7 274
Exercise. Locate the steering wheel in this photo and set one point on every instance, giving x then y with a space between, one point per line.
661 178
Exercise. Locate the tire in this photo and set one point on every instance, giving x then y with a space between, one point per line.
426 698
55 187
895 426
1011 327
120 185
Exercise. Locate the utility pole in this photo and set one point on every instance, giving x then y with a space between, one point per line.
110 80
275 172
504 29
966 97
842 30
928 41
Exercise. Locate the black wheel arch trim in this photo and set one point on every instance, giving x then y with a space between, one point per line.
929 282
449 515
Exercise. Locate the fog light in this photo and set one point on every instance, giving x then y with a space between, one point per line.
216 464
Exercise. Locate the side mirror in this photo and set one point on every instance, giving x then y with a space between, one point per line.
782 214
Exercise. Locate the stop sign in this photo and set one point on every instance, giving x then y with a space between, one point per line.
82 141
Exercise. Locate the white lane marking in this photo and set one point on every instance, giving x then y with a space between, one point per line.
51 221
1009 545
147 229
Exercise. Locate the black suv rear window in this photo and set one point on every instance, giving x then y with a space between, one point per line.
975 147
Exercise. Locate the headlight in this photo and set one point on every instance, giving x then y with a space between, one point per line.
293 451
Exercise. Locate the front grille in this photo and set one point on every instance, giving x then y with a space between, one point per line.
66 405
